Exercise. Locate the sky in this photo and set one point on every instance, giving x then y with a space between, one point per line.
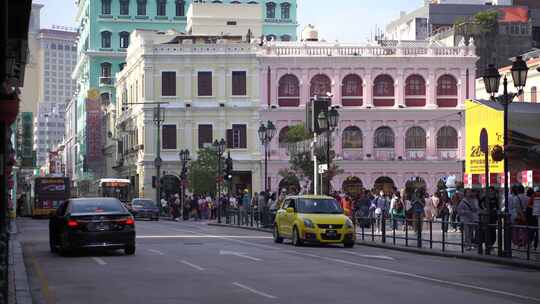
343 20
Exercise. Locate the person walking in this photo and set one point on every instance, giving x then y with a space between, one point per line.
418 205
397 211
468 213
443 210
245 207
517 212
534 204
429 209
489 206
379 203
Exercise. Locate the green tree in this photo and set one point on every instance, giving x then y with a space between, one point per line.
301 161
203 171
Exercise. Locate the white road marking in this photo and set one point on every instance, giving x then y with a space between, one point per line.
238 254
156 251
260 293
370 256
192 265
100 261
445 282
201 237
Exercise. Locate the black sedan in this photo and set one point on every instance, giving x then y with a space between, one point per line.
92 223
144 208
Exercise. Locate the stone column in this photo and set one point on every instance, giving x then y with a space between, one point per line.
399 89
188 83
368 89
431 90
224 79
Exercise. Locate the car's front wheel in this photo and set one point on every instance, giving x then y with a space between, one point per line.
129 249
296 240
277 238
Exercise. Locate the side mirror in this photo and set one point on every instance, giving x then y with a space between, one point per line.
290 210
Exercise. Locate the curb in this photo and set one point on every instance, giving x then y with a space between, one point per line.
19 286
485 259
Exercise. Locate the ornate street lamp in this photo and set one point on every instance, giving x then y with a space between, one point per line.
491 81
159 118
219 147
184 159
266 134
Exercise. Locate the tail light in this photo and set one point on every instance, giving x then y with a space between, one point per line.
127 221
72 224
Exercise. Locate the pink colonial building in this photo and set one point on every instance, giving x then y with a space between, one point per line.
401 107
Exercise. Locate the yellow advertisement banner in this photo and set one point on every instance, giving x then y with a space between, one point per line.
478 117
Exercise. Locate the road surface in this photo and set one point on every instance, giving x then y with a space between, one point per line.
195 263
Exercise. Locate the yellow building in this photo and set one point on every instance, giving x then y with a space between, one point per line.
211 89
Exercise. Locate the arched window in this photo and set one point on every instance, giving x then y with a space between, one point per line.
285 10
447 91
270 10
415 91
124 7
447 138
383 91
124 40
106 40
285 38
534 94
415 138
217 1
352 138
320 85
105 7
235 2
384 138
161 7
105 98
352 91
141 7
106 72
180 8
289 91
282 137
271 37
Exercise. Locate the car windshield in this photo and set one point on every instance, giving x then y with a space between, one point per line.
97 206
144 203
319 206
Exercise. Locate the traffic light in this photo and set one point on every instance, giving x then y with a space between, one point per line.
228 168
314 107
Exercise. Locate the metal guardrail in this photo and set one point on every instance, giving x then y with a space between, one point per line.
483 237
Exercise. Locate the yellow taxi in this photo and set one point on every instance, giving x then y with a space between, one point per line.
313 219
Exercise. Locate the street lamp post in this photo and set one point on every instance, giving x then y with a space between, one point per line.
184 159
329 123
266 133
219 147
159 118
492 80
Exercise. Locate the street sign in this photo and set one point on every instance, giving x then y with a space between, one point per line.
484 145
323 168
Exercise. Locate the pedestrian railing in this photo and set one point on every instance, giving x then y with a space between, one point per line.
485 237
482 237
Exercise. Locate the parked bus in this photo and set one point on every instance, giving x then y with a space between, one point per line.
49 193
115 187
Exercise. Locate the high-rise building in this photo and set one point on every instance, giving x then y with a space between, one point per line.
58 56
104 31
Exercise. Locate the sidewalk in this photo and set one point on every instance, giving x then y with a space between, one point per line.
451 250
19 289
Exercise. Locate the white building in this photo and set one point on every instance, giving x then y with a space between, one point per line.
58 55
215 19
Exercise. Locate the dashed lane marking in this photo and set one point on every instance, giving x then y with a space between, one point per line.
199 268
255 291
100 261
156 251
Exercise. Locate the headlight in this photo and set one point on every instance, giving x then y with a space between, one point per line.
308 223
349 223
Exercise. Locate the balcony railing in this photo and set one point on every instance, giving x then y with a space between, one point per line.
447 154
106 81
416 154
353 154
385 154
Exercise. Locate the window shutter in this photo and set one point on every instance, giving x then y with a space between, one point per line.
205 135
168 137
204 84
168 84
239 83
229 138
